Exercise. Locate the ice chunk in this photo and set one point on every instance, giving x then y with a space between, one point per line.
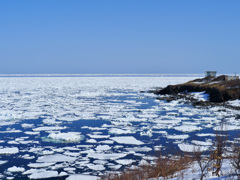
121 131
49 128
139 149
125 161
98 136
191 148
103 148
40 165
187 128
97 167
55 158
91 141
43 175
69 136
110 156
13 150
16 169
183 136
127 140
83 177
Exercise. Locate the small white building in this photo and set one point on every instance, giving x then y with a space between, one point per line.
210 73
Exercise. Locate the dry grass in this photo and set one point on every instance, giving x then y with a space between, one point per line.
164 167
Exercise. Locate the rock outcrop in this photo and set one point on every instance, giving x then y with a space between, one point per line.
218 88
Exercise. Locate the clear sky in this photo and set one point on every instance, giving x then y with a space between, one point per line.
119 36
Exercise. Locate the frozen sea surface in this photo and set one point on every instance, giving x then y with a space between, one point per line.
73 127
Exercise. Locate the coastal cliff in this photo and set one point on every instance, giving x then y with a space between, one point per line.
219 89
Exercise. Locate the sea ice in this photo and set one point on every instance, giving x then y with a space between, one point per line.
127 140
16 169
103 156
125 161
187 128
40 165
83 177
69 136
56 158
49 128
43 175
7 151
96 167
103 148
191 148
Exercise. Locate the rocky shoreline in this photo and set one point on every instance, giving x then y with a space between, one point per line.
219 90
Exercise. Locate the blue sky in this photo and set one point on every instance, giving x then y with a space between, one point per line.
127 36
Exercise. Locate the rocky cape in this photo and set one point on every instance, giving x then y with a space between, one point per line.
219 89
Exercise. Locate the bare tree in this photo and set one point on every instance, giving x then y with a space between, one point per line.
220 148
204 162
235 159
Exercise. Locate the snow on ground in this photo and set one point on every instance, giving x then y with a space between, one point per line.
200 96
234 103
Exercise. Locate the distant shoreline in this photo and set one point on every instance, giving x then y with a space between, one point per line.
101 75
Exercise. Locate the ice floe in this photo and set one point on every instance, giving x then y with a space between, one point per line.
56 158
16 169
69 136
127 140
8 151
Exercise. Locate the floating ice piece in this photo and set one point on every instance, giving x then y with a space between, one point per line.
102 156
56 158
7 123
120 131
139 149
96 167
206 134
81 176
103 148
127 140
187 128
202 143
16 169
107 142
226 128
191 148
36 150
43 175
91 141
40 165
98 136
27 125
12 142
148 133
27 156
31 133
183 136
7 151
49 128
115 167
100 162
11 131
69 169
3 162
69 136
125 161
